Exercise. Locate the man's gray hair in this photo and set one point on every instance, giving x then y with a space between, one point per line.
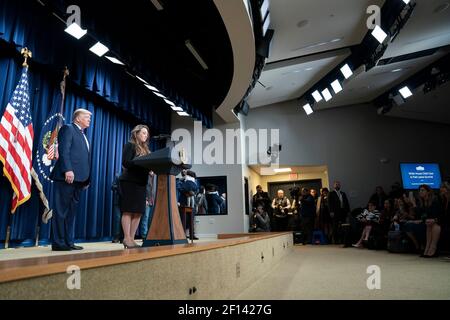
80 112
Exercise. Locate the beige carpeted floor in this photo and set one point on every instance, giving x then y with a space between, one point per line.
330 272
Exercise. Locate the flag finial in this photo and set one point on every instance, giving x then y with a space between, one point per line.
27 54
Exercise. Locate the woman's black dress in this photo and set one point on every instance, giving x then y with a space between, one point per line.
133 183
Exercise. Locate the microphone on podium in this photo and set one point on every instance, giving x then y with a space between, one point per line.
161 137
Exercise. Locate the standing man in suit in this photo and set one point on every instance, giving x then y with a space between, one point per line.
339 209
71 175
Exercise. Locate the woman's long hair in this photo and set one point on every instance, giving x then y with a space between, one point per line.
141 147
430 196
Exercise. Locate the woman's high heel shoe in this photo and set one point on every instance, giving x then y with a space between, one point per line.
128 246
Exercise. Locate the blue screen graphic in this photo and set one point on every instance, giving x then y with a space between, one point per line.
416 174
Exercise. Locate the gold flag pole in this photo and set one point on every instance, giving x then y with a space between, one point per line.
27 54
8 234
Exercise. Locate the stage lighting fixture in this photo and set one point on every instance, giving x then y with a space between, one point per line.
346 71
327 94
398 100
75 31
99 49
264 9
336 85
266 25
308 109
317 96
379 34
151 88
183 114
405 92
115 61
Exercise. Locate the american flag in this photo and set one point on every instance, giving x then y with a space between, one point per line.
16 142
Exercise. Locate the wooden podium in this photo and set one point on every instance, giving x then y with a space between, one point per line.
165 228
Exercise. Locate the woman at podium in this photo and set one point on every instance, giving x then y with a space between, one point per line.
133 183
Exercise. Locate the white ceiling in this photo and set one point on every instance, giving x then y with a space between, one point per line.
345 20
327 21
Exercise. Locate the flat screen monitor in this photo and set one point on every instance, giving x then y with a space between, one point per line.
416 174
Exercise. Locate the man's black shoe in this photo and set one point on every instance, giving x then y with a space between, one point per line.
74 247
58 248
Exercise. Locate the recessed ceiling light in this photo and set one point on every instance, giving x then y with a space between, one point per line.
115 60
282 170
170 103
140 79
159 95
397 70
405 92
75 31
183 114
406 1
151 88
379 34
99 49
176 108
157 5
327 94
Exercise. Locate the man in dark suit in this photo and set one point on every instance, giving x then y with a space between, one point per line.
71 175
339 209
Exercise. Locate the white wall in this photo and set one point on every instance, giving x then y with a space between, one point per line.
351 141
236 220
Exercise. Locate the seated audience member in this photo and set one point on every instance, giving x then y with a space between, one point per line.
260 220
445 221
213 199
387 214
406 221
429 210
378 198
369 218
280 206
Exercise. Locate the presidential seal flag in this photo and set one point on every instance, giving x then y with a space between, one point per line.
16 142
